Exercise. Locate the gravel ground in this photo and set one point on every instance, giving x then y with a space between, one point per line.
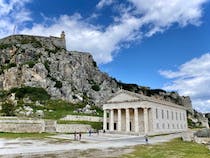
63 146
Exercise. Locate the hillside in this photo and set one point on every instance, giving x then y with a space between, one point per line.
44 62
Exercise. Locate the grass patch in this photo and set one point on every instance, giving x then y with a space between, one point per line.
60 108
95 125
173 149
30 63
24 135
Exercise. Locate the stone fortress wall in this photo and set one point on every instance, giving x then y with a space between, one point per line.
17 125
59 42
23 125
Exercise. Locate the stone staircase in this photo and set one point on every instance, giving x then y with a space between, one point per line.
50 126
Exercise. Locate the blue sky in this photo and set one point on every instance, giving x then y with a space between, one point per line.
155 43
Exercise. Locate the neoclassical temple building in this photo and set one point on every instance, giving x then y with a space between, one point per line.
132 113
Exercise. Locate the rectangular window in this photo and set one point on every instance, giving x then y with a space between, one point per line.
156 113
157 125
163 126
172 115
180 116
162 114
168 126
176 116
167 114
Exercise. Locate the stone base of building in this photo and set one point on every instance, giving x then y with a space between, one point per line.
143 134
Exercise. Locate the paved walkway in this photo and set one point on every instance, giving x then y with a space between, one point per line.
101 141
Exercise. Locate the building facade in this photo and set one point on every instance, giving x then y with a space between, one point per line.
132 113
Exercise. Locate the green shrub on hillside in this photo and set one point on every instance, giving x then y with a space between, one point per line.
8 109
3 95
30 63
47 65
11 65
33 93
4 46
94 64
35 43
98 110
96 87
58 84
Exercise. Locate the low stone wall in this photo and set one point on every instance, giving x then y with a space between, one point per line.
22 125
82 118
202 140
71 128
15 125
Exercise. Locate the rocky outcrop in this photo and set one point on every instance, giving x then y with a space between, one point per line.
68 75
38 62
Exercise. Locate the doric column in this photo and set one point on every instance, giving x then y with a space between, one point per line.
136 120
111 120
146 120
105 120
119 120
127 120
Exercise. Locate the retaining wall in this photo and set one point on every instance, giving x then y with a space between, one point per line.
21 125
82 118
71 128
15 125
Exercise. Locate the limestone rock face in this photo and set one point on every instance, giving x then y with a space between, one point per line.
38 62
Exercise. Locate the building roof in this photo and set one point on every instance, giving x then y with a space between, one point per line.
126 96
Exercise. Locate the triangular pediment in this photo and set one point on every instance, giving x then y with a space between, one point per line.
120 97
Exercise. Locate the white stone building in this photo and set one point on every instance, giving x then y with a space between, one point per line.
132 113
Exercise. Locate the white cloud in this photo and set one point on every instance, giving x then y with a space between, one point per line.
104 41
192 79
161 14
82 36
12 13
103 3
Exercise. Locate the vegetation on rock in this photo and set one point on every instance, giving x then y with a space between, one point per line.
96 87
34 93
30 63
8 109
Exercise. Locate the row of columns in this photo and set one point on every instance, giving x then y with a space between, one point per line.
127 120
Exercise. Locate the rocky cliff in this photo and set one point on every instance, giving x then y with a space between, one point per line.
72 76
39 62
